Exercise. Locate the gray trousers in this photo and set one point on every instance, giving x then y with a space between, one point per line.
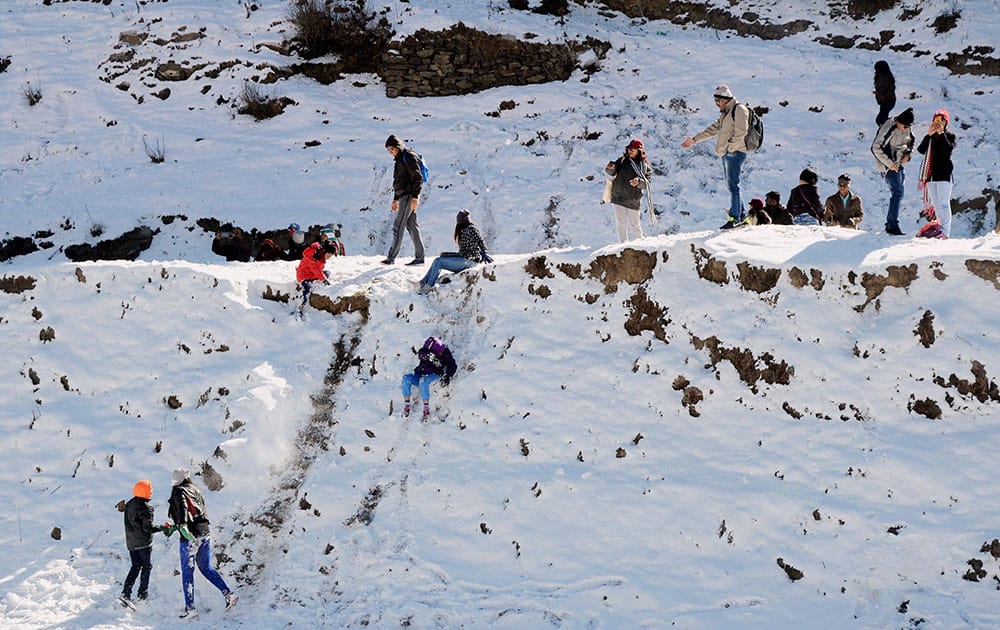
405 218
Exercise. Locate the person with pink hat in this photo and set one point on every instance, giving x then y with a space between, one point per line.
936 170
630 176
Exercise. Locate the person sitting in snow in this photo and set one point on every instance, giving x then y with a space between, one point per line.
843 208
139 530
772 205
471 252
436 362
312 267
803 201
757 215
232 243
187 510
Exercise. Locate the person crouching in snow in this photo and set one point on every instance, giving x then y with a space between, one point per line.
311 267
436 362
187 510
139 530
471 252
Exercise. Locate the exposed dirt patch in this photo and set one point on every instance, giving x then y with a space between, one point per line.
982 388
536 267
988 270
542 290
703 14
356 303
979 207
974 60
17 246
16 284
709 268
631 266
128 246
895 276
745 363
692 396
574 271
645 314
926 407
757 279
925 329
798 278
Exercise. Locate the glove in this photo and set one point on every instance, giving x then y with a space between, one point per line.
167 529
185 533
486 258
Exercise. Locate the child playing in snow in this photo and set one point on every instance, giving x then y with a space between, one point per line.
311 267
436 362
139 530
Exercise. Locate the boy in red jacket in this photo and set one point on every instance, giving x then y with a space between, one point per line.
311 268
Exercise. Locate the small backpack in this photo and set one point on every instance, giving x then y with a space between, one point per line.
931 230
755 128
421 164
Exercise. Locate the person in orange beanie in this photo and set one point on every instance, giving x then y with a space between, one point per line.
139 530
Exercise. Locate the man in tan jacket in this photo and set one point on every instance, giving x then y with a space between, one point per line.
730 132
843 208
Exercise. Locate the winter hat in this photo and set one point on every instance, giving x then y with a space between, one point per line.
178 476
393 141
774 194
809 176
844 178
756 203
723 91
293 227
906 118
635 144
143 489
944 114
463 216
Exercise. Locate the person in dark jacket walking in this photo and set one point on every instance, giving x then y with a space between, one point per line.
139 530
406 184
885 91
937 168
803 201
187 510
436 362
631 174
471 252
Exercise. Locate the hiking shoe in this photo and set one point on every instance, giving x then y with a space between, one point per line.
231 600
415 261
424 289
388 261
406 410
732 223
142 596
894 231
427 412
189 614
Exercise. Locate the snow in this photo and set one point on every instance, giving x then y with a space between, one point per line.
563 480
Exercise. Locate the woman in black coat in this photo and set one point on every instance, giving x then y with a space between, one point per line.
885 91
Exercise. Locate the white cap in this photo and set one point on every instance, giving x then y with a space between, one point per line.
178 476
723 91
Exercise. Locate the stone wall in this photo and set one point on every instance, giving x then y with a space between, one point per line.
462 60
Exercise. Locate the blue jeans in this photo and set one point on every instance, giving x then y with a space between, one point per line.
203 556
895 180
141 564
445 263
732 162
805 219
423 382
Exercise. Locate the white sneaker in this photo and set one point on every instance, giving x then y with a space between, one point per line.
190 614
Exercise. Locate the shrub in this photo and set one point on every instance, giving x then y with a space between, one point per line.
260 105
343 28
156 152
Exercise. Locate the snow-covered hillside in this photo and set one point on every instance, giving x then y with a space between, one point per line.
766 428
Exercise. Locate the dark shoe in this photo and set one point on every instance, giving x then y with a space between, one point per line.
894 231
415 261
142 596
388 261
732 223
